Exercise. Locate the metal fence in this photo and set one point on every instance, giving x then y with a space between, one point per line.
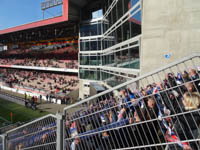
36 135
1 143
12 98
9 127
159 110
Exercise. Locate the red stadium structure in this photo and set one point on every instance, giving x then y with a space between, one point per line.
56 59
47 29
55 20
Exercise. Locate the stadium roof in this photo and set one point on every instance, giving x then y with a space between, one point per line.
98 87
68 5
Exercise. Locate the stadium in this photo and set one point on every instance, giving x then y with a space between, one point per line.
102 75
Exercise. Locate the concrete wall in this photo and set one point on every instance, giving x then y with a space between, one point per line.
169 27
74 95
84 87
84 90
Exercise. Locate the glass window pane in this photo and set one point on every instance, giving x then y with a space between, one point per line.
93 45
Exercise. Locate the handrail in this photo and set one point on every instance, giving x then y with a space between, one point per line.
49 115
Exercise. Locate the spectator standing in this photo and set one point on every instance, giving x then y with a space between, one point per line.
25 96
40 99
47 97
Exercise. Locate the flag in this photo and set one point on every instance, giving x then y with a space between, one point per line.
73 130
170 135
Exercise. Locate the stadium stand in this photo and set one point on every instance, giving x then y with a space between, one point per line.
20 53
49 47
59 58
39 81
71 64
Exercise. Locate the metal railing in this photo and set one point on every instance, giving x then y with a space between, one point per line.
12 98
9 127
158 110
38 134
1 142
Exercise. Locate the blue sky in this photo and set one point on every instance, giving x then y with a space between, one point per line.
17 12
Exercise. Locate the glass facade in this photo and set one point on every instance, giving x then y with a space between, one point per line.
106 43
99 35
108 59
90 45
131 27
128 58
92 74
90 60
112 80
91 29
120 9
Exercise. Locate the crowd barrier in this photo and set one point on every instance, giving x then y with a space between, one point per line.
1 144
34 135
162 112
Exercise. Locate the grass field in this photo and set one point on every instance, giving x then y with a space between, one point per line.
3 122
20 113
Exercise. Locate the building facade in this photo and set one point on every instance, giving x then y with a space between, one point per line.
109 43
133 37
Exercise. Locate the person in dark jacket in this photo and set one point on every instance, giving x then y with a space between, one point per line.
186 126
136 132
195 76
172 101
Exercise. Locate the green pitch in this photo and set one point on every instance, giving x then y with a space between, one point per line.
20 113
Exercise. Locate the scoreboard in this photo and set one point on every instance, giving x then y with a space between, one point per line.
50 3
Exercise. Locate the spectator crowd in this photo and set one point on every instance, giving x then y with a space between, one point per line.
163 112
40 81
160 113
71 64
66 57
35 135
